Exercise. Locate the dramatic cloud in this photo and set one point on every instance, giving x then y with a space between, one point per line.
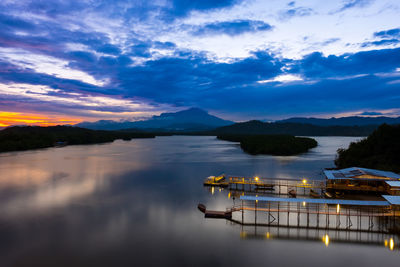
107 59
232 28
316 65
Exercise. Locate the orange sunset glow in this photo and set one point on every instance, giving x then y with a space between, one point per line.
17 118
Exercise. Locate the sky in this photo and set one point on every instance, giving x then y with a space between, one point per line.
63 62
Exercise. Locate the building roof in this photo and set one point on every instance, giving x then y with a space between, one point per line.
319 201
360 173
393 183
393 200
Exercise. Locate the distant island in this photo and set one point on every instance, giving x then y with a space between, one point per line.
32 137
380 150
297 129
344 121
277 145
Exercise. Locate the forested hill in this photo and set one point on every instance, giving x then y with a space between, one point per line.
298 129
380 150
345 121
278 145
32 137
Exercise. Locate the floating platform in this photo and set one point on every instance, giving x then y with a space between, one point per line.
338 182
215 214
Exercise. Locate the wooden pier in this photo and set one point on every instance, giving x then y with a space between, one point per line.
351 215
376 217
309 204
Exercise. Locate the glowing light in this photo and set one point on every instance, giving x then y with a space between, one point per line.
212 190
386 243
337 208
304 203
391 244
243 234
229 195
220 190
267 235
256 178
304 181
17 118
325 239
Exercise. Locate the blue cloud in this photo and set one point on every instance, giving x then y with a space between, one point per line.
296 12
388 33
381 42
371 113
316 65
183 7
384 38
109 49
164 45
354 4
12 22
232 28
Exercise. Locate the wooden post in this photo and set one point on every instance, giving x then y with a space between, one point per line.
269 212
327 216
278 213
255 212
298 214
242 213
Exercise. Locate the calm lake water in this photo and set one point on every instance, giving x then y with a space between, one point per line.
135 204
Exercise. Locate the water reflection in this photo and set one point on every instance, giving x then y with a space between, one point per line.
52 178
323 237
134 204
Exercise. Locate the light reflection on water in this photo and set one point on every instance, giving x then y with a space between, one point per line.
117 204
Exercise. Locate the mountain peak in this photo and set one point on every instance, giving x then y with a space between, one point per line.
195 110
192 118
189 111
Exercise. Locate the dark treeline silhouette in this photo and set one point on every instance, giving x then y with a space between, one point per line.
380 150
279 145
32 137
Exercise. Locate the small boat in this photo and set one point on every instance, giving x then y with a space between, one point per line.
218 214
216 181
292 193
202 208
314 194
